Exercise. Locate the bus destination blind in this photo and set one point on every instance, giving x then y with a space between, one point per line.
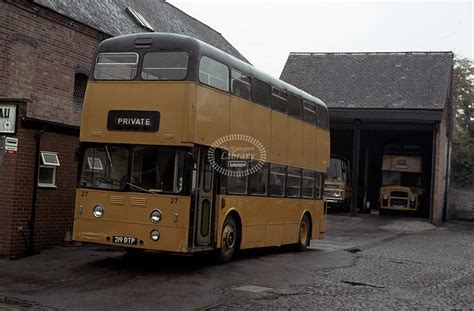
133 120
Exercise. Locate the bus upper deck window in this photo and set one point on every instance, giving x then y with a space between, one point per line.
295 106
309 111
165 66
116 66
321 117
240 84
279 100
261 92
213 73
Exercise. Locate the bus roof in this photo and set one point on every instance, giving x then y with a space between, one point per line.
156 41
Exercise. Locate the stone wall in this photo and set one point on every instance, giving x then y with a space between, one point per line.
461 205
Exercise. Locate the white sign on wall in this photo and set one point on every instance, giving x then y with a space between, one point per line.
7 118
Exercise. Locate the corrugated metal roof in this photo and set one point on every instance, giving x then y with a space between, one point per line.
110 17
400 80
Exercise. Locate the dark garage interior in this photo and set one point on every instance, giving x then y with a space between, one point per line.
372 143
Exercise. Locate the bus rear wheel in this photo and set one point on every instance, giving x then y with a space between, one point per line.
229 241
304 235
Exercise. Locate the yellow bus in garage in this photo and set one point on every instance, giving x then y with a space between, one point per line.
402 178
337 187
185 148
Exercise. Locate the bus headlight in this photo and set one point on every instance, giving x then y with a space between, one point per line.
155 216
412 202
155 235
385 197
337 194
98 211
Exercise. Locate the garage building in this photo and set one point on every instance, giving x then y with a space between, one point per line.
375 99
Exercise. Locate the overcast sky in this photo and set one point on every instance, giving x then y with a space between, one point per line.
265 32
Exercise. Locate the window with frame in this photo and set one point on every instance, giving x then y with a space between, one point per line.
240 85
279 100
307 184
49 161
318 186
116 66
237 181
293 182
276 185
214 73
295 106
165 66
309 112
80 84
322 117
261 92
258 180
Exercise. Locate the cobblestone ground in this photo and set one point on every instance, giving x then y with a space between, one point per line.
369 263
429 270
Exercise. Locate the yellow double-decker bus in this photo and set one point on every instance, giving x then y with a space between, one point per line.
185 148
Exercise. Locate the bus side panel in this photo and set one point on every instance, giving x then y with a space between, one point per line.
319 220
261 118
252 215
293 208
309 147
212 115
279 149
240 123
295 142
323 152
189 113
274 210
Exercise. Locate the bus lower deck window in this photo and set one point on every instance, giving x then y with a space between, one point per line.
277 180
258 180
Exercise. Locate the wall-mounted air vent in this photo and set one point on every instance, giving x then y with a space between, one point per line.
139 19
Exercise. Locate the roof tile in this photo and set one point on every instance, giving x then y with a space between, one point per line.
418 80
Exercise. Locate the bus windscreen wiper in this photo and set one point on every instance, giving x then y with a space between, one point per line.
109 157
140 188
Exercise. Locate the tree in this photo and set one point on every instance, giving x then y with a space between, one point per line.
463 104
463 98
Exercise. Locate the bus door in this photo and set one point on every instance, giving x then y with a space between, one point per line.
205 199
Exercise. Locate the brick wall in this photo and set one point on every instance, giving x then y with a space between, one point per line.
39 56
40 53
54 206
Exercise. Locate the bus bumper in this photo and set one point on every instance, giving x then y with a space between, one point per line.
172 239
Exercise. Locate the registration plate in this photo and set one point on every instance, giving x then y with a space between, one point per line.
124 240
399 206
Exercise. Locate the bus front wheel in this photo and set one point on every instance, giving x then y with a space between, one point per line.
229 240
304 235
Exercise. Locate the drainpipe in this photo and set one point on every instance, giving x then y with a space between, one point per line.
32 222
434 154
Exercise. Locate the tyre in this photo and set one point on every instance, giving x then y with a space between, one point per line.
304 234
230 239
